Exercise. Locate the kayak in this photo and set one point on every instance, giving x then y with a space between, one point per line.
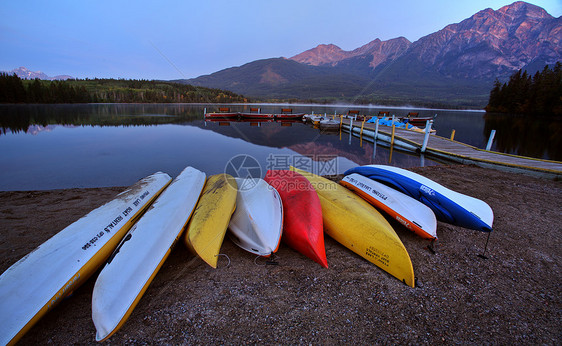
38 282
448 205
257 224
412 214
136 261
302 220
357 225
207 227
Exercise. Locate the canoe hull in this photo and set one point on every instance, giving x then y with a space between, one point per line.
302 214
38 282
207 227
357 225
257 224
412 214
448 205
134 264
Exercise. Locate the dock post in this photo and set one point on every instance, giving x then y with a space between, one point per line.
426 136
490 140
204 111
361 133
391 144
453 135
376 129
350 129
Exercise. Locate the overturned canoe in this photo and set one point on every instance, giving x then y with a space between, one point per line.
448 205
131 268
257 224
302 214
207 227
36 283
357 225
412 214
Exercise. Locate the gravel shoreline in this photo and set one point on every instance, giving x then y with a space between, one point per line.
514 296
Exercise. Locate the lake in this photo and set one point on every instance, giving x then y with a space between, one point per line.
66 146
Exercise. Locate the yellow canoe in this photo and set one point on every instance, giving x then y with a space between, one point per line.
357 225
206 230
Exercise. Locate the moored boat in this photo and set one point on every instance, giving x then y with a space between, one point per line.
224 112
255 113
287 113
329 125
414 119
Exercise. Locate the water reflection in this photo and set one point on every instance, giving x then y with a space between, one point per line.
525 136
62 146
18 118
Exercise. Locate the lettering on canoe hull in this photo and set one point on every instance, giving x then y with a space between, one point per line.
378 256
131 209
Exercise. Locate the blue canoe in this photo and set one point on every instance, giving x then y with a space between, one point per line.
449 206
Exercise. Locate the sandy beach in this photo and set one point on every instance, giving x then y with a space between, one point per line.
514 296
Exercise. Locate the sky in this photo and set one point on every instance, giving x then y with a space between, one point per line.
185 39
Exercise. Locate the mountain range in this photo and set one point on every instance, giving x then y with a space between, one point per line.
455 66
24 73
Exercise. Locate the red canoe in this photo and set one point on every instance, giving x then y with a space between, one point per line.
302 221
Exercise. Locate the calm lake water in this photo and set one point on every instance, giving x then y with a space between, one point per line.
65 146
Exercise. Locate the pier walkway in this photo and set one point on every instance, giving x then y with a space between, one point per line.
451 150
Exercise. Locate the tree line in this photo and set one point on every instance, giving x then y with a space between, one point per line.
16 90
540 94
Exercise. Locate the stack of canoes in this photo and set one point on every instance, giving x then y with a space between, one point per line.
130 237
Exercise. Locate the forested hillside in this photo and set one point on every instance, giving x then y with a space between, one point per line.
16 90
540 94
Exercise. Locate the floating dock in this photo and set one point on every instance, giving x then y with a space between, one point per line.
454 151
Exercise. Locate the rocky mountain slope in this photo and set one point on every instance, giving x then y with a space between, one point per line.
455 66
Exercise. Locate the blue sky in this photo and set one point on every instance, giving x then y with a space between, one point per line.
185 39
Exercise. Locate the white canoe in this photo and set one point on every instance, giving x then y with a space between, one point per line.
257 224
37 282
135 262
448 205
414 215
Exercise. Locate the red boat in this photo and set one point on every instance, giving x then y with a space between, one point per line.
255 113
287 113
302 221
223 112
414 119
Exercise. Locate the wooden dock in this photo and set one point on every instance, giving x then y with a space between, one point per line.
451 150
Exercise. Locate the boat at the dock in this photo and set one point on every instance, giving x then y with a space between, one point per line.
414 119
287 113
224 112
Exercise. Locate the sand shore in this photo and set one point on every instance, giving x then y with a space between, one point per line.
514 296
